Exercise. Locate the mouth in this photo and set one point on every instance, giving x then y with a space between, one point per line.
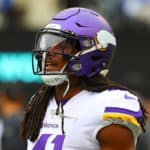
51 66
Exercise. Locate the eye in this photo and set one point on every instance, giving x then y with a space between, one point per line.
54 53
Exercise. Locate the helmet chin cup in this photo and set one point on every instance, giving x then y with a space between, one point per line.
54 80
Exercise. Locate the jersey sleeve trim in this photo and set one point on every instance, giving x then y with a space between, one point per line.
123 117
127 114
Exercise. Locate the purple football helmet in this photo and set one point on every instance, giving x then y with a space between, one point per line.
89 30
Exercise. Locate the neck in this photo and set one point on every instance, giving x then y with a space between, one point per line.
75 88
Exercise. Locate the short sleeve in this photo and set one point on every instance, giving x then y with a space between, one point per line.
122 108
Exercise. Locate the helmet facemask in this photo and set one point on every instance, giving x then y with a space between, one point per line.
50 43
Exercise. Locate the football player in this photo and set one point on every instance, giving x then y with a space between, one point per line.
79 108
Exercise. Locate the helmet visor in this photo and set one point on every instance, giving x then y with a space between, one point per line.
46 41
49 44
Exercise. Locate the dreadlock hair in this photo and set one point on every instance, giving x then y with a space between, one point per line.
35 110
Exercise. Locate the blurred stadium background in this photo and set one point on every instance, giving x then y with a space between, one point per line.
19 22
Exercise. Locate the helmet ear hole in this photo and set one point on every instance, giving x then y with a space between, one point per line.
75 64
76 67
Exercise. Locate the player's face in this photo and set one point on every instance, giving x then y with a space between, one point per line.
54 59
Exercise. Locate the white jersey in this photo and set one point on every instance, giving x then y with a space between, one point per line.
84 115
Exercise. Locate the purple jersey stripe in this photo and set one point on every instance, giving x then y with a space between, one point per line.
137 115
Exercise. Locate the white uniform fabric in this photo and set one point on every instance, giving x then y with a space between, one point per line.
84 115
